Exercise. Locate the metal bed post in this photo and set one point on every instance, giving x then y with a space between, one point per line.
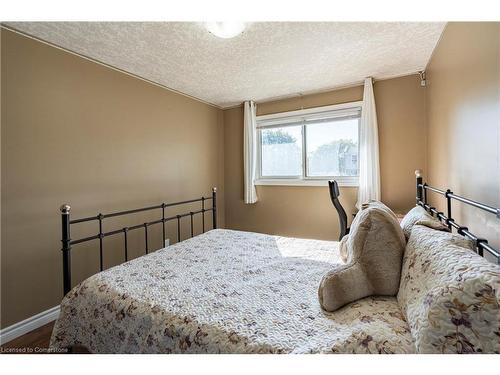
418 174
178 228
214 207
146 237
203 214
66 247
101 238
125 242
163 205
448 207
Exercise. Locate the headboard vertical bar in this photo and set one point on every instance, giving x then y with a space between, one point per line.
214 208
101 237
125 230
418 174
66 247
163 222
192 231
178 228
448 205
146 237
203 214
479 247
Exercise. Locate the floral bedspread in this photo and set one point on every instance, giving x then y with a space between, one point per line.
226 292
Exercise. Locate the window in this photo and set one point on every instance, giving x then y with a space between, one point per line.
309 147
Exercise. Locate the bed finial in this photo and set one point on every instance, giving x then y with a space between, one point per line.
65 208
418 173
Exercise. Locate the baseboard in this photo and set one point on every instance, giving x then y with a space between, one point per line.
10 333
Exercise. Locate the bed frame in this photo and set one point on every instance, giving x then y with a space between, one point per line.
481 244
66 223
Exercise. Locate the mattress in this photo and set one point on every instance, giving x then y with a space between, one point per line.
226 291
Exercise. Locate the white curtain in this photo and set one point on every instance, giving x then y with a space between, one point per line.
369 170
250 150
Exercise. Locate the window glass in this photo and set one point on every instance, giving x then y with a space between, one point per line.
281 151
332 148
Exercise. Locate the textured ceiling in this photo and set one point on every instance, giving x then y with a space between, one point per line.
269 60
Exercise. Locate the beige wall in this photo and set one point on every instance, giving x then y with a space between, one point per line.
77 132
307 211
463 119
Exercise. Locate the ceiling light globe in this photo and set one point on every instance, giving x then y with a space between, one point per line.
225 30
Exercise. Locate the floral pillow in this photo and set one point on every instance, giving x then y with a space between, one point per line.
418 215
449 295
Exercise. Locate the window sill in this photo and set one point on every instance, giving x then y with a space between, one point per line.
342 181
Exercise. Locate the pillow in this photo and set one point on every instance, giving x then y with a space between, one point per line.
450 295
381 206
418 215
372 252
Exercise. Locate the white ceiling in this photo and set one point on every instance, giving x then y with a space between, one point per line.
269 60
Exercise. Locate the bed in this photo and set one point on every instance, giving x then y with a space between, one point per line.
224 291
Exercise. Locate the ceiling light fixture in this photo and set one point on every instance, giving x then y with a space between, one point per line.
225 29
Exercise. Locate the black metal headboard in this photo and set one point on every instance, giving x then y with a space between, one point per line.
66 223
481 243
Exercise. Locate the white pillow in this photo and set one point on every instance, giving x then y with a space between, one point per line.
418 215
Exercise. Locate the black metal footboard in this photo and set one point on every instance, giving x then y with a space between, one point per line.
66 223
